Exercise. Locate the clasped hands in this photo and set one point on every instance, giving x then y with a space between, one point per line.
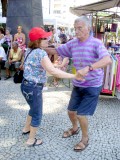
80 74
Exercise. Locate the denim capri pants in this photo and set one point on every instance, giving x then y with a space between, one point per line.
84 100
33 95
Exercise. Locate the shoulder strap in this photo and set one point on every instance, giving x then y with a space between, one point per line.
28 55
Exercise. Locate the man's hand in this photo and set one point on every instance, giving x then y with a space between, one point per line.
79 77
83 72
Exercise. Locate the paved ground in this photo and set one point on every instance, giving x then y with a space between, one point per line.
104 128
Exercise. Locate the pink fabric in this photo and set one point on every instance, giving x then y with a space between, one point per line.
107 76
118 73
20 40
106 91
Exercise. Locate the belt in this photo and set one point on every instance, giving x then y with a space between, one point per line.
38 84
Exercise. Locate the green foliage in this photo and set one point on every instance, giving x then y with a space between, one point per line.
102 14
112 36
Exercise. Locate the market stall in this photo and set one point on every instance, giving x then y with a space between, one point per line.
102 26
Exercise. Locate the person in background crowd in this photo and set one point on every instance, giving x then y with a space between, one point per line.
3 58
8 37
89 56
54 38
70 37
1 35
20 38
61 63
54 41
63 38
15 57
35 66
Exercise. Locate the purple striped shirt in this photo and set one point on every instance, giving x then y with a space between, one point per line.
84 54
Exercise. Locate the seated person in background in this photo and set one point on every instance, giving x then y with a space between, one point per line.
54 41
8 37
14 58
63 38
1 35
7 45
3 58
70 37
20 38
62 64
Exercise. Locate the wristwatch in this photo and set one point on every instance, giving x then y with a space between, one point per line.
90 68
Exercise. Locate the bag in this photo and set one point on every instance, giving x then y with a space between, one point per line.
5 46
18 76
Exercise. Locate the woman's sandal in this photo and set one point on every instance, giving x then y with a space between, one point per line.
35 143
24 133
81 146
70 132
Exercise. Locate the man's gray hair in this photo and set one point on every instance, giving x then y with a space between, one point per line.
84 19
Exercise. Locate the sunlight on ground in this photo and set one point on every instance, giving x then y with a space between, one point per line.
51 97
7 142
3 122
15 104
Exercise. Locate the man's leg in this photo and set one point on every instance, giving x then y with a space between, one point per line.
72 107
73 118
84 127
87 107
84 140
74 130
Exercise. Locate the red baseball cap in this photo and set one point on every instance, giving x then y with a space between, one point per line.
37 33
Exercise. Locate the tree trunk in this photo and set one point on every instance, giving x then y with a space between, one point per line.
4 8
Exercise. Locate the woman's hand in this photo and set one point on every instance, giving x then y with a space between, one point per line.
83 72
57 66
79 77
10 61
21 67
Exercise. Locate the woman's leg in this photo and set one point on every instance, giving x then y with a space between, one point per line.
27 124
17 65
33 96
7 72
7 65
32 135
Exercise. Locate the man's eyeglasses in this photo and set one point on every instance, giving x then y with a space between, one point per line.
78 28
44 38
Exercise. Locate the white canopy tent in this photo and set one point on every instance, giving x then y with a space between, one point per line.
94 7
111 16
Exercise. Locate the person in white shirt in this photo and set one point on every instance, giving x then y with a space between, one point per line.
1 36
3 58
